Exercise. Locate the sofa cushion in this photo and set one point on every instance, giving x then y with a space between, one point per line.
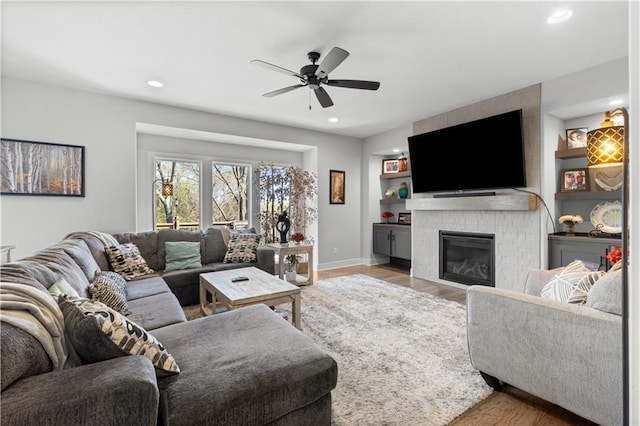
572 284
215 245
21 355
99 333
126 260
242 248
156 311
182 255
81 254
147 286
111 289
606 293
61 287
165 235
259 368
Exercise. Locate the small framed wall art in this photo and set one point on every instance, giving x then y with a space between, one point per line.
577 138
336 186
41 168
390 166
574 180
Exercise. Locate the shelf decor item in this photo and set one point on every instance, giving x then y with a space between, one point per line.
574 180
570 220
297 237
577 138
403 191
386 216
402 162
607 217
390 166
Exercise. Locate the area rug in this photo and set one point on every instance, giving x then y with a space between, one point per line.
402 355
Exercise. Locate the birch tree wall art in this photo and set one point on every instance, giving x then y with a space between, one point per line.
39 168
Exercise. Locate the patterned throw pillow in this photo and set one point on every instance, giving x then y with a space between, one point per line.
61 287
572 284
111 289
99 333
126 260
242 248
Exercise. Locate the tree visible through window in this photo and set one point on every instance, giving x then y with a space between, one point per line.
184 204
229 194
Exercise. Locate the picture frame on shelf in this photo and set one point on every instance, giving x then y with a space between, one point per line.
336 186
390 166
577 137
45 169
404 218
574 180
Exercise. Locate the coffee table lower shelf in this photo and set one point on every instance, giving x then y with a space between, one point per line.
261 287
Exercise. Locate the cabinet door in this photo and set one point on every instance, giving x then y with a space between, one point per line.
382 240
401 243
561 253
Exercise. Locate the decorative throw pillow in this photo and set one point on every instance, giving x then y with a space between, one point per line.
126 260
182 255
61 287
242 248
572 284
606 294
99 333
111 289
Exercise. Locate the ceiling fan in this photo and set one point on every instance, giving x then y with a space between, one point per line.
313 76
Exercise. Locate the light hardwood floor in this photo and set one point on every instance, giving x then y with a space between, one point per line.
511 406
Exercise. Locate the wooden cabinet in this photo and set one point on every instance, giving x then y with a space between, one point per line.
564 250
392 240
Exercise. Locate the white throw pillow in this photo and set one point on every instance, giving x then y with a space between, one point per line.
572 284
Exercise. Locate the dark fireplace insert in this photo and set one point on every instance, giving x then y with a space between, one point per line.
467 258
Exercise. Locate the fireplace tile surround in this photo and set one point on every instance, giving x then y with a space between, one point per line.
518 233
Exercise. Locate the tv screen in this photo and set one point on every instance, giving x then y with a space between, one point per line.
481 154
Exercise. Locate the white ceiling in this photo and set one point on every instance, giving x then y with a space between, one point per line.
429 56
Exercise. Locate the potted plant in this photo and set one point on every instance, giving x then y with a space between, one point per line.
293 260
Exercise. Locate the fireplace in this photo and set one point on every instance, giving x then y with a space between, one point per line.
467 258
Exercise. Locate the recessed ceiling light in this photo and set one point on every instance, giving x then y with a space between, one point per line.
616 102
333 120
396 150
155 83
559 16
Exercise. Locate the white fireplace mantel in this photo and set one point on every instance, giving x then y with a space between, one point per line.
490 202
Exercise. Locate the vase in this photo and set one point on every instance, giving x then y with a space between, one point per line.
403 192
571 229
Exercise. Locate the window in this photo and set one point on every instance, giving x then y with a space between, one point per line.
181 210
229 194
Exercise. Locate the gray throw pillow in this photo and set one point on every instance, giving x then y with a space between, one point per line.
606 293
99 333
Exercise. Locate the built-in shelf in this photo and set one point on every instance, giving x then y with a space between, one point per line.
395 175
571 153
492 202
393 200
589 195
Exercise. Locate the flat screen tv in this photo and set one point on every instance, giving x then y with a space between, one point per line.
478 155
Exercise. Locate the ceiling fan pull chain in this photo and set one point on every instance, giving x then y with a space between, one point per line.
309 100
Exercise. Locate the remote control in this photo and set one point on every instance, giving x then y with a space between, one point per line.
236 279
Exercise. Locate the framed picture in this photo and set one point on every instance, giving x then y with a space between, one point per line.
336 187
41 168
390 166
577 138
404 218
574 180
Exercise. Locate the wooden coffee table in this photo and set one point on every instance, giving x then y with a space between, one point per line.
261 287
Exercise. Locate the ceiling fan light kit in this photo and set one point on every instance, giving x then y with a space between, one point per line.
314 76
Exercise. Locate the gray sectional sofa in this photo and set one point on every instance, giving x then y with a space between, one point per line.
243 367
568 354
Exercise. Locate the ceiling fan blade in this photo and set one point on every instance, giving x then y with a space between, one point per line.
354 84
272 67
331 61
323 97
283 90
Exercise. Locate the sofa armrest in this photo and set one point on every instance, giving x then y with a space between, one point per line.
568 354
266 260
120 391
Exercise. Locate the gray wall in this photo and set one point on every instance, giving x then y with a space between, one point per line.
107 127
